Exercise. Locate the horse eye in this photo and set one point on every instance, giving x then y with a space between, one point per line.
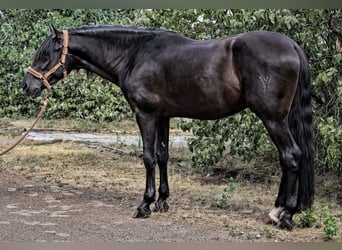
46 58
57 48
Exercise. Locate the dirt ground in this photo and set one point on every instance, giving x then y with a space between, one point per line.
65 191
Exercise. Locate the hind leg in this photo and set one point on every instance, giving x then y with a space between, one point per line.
275 213
289 155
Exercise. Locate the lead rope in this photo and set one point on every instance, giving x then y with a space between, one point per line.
44 79
22 137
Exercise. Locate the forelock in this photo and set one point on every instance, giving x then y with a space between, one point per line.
45 49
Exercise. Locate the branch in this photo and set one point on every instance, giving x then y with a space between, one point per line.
316 59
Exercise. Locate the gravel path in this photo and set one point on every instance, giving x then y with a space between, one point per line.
43 213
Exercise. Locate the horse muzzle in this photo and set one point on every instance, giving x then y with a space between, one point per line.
32 88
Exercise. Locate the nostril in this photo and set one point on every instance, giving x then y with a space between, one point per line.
36 92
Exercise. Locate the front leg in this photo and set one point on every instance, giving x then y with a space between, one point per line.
162 157
147 124
143 210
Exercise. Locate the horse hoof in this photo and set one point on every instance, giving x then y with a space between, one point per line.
141 213
161 206
286 222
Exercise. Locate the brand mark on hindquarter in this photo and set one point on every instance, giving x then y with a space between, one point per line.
265 80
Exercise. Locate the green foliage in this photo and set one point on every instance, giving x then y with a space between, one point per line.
307 218
318 31
331 136
224 198
320 216
93 99
331 226
241 135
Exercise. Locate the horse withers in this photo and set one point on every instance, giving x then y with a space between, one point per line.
163 74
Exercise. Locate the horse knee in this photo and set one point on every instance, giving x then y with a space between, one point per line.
163 157
291 159
149 161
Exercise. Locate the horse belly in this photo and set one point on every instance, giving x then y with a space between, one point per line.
213 102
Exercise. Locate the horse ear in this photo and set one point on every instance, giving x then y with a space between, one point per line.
53 31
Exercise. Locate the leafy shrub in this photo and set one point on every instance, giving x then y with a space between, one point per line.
331 226
223 199
331 136
241 135
93 99
307 218
320 216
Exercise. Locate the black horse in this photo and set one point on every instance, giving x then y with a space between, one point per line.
163 74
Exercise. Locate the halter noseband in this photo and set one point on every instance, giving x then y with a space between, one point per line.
44 77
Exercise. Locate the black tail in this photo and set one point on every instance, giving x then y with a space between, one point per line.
300 122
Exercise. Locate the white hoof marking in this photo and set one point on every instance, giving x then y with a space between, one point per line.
274 215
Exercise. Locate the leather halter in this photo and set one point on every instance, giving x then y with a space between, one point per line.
44 77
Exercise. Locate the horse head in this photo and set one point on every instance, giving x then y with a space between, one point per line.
48 65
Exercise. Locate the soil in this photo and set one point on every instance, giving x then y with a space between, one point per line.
31 211
66 191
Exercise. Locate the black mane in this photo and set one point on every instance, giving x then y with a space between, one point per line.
123 37
119 29
129 33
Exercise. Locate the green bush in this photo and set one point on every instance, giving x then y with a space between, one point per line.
320 216
331 136
307 218
223 200
93 99
331 226
242 135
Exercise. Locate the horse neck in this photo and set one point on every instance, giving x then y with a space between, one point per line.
107 55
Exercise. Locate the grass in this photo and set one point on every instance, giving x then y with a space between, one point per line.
67 163
223 200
